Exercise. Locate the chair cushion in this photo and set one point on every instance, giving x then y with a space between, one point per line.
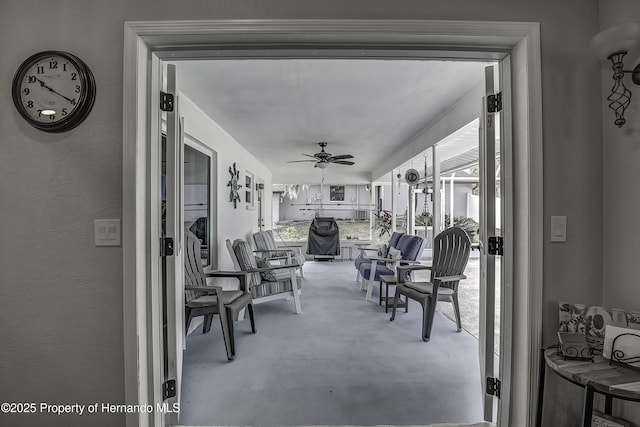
269 276
381 269
427 288
274 275
409 246
207 300
271 288
282 274
359 260
264 240
422 287
393 240
246 260
297 259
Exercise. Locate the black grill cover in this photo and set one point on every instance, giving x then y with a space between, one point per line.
324 237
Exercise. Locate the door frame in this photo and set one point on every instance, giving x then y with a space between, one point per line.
401 39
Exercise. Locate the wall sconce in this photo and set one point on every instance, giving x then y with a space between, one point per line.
615 44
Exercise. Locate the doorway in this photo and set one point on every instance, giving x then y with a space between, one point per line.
335 73
141 38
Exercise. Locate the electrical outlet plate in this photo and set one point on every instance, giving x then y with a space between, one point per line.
107 232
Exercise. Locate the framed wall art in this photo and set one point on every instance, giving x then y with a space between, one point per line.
336 193
249 192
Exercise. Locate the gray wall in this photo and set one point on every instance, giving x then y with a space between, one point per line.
621 150
61 297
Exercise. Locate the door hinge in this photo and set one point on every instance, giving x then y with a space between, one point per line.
496 245
166 246
494 103
168 389
493 387
166 101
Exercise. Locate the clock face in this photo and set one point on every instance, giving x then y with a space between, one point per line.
54 91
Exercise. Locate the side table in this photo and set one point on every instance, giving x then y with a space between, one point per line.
615 380
389 280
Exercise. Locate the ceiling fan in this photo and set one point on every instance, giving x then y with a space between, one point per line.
322 159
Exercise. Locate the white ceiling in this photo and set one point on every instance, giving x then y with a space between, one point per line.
280 109
458 151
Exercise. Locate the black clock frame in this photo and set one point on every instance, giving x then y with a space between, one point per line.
85 101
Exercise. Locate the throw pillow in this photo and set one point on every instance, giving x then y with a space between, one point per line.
269 276
394 254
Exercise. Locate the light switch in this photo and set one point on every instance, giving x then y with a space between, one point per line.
107 232
558 228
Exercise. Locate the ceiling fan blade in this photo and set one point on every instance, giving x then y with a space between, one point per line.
342 162
298 161
308 155
341 157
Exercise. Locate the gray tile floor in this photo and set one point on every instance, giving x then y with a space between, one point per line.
341 362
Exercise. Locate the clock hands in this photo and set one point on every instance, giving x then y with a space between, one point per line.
44 85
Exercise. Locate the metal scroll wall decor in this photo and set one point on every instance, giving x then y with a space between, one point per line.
234 186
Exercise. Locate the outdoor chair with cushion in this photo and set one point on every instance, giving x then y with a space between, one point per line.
205 300
377 250
404 249
267 282
266 247
450 255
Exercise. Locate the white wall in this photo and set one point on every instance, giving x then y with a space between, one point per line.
307 204
621 151
233 223
61 297
275 208
401 197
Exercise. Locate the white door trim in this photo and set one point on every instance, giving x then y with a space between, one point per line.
351 38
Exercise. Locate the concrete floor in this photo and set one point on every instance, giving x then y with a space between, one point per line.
341 362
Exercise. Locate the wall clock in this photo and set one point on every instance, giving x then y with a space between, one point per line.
54 91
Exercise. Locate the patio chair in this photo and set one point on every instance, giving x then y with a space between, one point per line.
266 282
450 256
266 247
406 249
205 300
377 250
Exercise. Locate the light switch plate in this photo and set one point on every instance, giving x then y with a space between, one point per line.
107 232
558 228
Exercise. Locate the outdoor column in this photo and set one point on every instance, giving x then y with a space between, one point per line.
451 188
443 202
410 211
373 207
393 202
437 220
